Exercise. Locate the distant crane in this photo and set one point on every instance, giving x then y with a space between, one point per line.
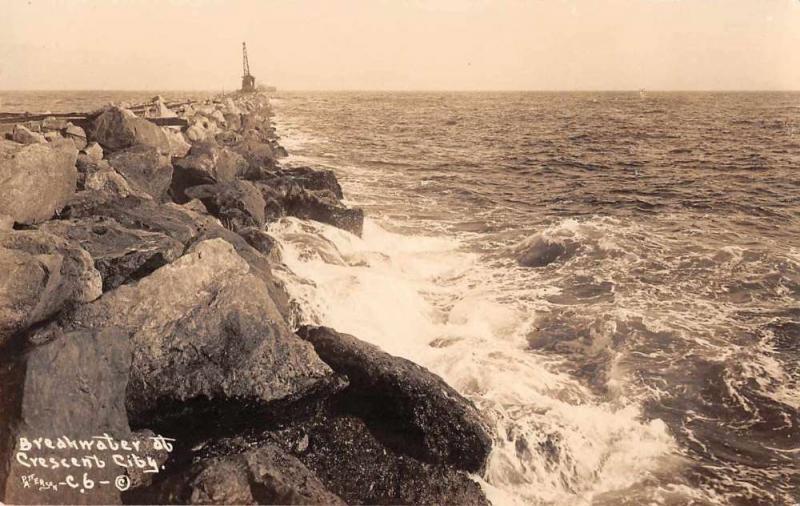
248 81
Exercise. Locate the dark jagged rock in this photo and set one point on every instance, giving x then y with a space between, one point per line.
261 241
144 168
120 254
117 129
416 408
259 156
42 274
204 328
36 180
324 208
263 475
314 179
134 212
206 163
354 464
73 386
542 251
237 204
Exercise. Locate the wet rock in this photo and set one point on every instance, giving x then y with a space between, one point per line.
261 241
264 475
43 274
204 330
314 179
120 254
324 208
237 204
73 386
117 129
353 463
143 168
541 252
36 180
22 135
415 409
76 134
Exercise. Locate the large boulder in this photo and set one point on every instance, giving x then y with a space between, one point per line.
262 475
259 156
134 212
144 168
72 387
120 254
237 204
206 163
43 274
433 421
314 179
76 134
24 136
118 128
353 462
205 330
322 206
36 180
178 146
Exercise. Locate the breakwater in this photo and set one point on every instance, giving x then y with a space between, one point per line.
141 303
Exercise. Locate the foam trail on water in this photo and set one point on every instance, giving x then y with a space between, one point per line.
423 299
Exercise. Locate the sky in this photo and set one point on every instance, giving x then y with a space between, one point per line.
401 45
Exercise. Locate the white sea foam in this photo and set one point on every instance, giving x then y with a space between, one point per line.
424 299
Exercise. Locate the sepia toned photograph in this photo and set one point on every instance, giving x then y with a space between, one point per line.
400 252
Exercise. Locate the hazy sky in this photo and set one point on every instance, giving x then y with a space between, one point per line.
396 44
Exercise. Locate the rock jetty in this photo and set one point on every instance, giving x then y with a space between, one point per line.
138 303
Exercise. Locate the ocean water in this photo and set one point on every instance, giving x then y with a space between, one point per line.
613 281
648 352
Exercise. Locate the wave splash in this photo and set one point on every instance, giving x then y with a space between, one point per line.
425 299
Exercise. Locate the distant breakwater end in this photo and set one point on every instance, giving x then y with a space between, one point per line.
141 305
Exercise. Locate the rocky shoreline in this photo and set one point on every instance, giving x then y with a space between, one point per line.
139 298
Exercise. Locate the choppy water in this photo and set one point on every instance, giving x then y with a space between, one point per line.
656 359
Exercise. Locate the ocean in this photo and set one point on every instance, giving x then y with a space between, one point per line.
613 280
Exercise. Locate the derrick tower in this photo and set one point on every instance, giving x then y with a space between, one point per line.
248 81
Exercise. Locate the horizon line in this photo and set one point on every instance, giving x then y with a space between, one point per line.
417 90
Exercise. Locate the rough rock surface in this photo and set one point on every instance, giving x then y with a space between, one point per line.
76 134
143 167
430 419
259 156
314 179
117 129
263 475
43 274
322 207
203 327
73 386
237 204
120 254
36 180
344 452
206 163
22 135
